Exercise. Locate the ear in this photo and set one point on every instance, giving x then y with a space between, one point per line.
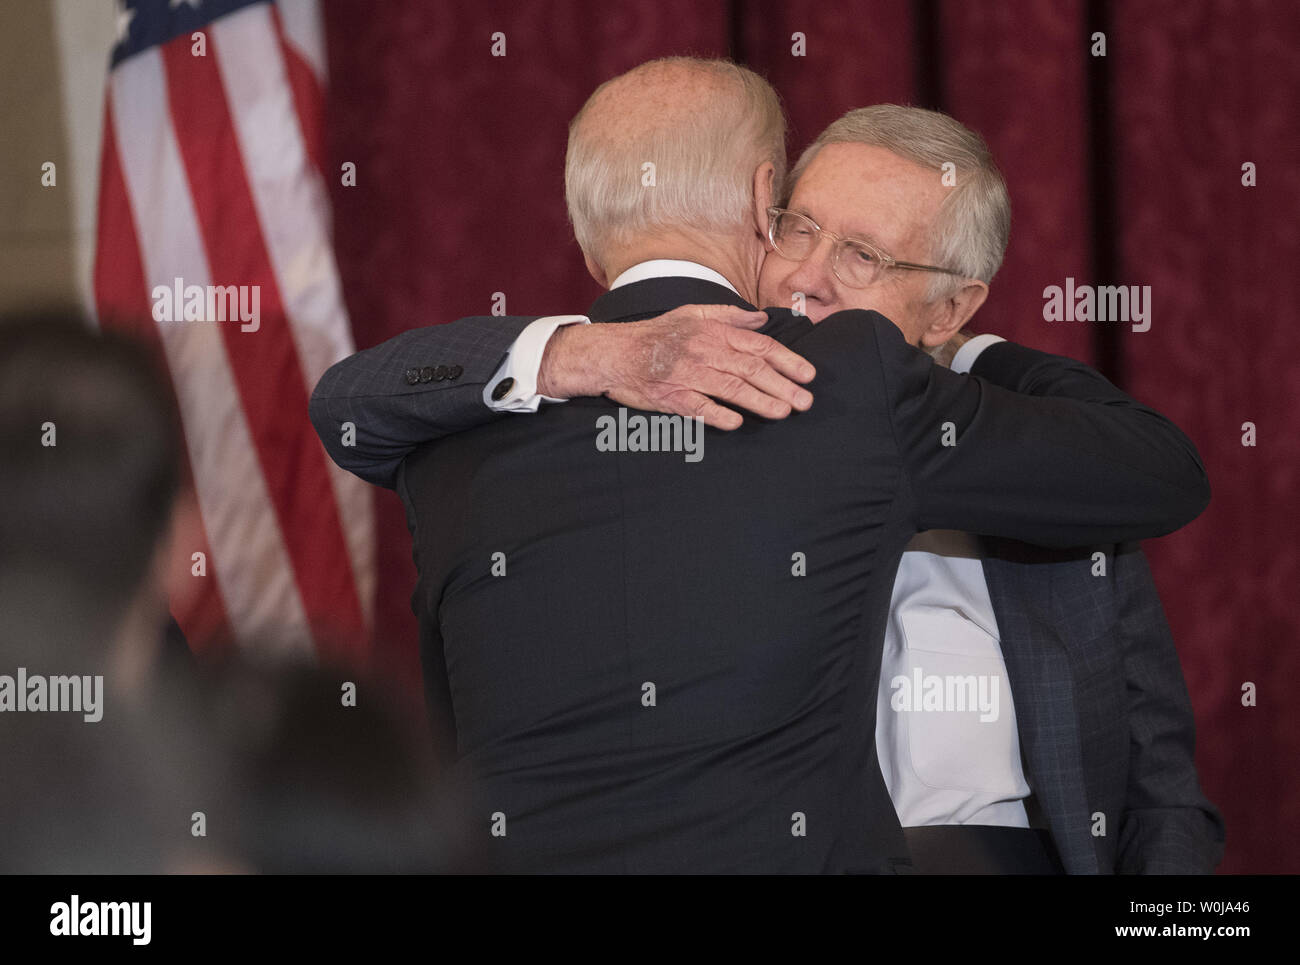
764 188
948 316
595 270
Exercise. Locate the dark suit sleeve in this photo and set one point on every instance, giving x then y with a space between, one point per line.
1168 826
1034 447
390 416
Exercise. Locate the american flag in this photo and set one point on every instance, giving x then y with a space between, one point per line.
211 172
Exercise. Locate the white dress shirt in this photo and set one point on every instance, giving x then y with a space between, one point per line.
670 268
948 749
950 760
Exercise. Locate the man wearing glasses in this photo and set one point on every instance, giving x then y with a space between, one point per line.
856 233
997 610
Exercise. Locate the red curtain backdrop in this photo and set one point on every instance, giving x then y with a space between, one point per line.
1125 169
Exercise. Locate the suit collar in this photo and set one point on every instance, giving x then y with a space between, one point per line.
654 296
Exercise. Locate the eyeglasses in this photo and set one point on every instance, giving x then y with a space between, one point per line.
854 262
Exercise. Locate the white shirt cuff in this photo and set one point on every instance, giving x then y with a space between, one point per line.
516 380
965 358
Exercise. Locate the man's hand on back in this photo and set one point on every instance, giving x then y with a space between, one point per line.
675 362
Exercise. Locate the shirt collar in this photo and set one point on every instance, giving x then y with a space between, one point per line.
670 268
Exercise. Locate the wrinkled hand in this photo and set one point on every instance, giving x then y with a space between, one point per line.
943 354
679 363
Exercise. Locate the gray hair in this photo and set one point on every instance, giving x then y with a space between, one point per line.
704 160
970 231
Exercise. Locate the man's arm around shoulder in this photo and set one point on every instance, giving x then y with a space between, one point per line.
372 408
1034 447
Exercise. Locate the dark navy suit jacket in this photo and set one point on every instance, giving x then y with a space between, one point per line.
1105 723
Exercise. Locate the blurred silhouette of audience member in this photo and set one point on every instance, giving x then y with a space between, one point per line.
89 473
90 448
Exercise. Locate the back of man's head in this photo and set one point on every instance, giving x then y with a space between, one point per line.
90 457
671 145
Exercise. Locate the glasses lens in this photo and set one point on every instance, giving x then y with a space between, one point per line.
856 265
794 235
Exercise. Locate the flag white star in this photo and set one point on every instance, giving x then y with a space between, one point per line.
124 17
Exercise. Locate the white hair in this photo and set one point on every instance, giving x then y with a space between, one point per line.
970 232
704 160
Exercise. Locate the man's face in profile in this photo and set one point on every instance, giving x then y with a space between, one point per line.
868 193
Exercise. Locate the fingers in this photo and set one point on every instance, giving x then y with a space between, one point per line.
733 315
770 384
773 395
741 390
723 357
783 360
693 404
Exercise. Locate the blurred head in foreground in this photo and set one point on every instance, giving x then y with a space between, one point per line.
331 774
91 455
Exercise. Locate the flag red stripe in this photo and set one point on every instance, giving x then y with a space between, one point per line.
264 363
308 98
122 302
